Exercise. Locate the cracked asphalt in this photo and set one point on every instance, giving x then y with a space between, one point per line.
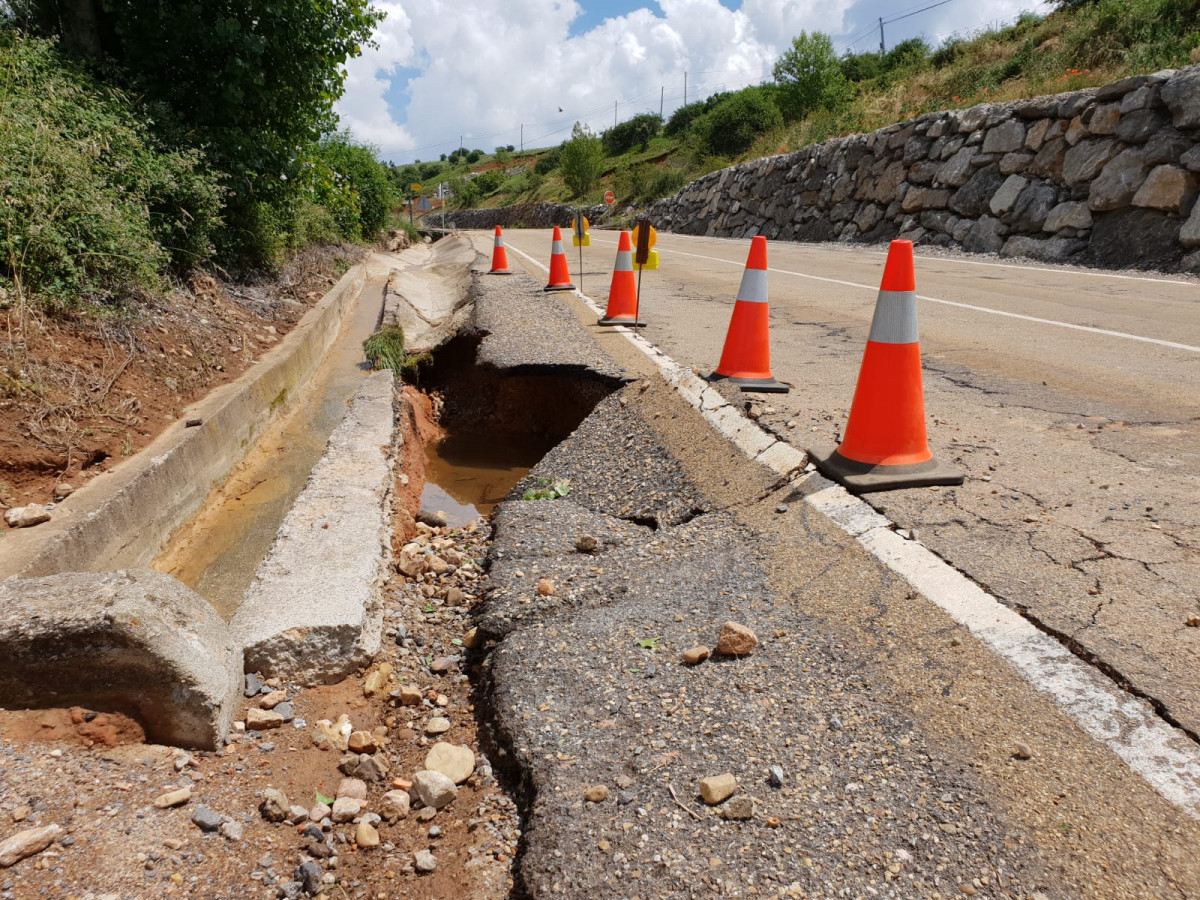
1081 506
900 738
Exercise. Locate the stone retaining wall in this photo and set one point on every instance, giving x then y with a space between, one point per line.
523 215
1107 176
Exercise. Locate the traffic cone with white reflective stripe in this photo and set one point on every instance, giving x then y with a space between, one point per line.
622 293
885 446
560 277
746 357
499 256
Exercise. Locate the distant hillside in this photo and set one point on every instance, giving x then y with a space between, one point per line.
1081 44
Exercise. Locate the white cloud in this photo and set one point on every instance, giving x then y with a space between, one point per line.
487 66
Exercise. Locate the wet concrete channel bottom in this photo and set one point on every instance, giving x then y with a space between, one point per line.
217 552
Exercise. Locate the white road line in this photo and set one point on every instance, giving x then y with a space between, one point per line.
1163 756
955 261
983 309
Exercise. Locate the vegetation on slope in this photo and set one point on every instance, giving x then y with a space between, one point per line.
140 140
817 95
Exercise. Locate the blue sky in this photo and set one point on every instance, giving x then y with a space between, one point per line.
499 71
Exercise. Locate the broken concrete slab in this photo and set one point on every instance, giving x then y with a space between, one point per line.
314 612
427 293
134 641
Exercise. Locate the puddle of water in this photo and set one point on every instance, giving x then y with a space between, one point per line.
467 474
218 551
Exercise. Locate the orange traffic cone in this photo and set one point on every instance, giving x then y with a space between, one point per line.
746 358
622 294
499 256
884 446
560 278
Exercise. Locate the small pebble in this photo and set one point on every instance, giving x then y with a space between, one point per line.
596 794
1022 751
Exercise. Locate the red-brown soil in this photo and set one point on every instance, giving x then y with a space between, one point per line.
78 393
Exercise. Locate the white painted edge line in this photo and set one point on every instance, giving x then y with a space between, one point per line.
1162 755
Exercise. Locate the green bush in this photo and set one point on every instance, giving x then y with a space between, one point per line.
91 204
489 182
732 126
810 76
359 176
635 132
581 160
548 161
385 349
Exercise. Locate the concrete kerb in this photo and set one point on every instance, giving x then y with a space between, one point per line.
1164 756
314 612
125 518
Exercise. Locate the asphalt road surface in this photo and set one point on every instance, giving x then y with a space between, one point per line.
1069 397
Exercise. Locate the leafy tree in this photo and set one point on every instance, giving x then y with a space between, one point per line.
639 130
734 123
489 182
365 192
548 161
581 160
809 75
910 54
464 191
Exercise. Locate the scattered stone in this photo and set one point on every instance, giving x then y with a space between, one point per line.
63 491
736 640
545 588
437 725
1022 751
455 598
781 507
263 719
362 742
346 809
1193 622
352 789
274 806
455 762
441 665
26 843
394 805
427 814
253 685
434 789
470 638
297 814
207 819
434 519
319 812
585 543
597 793
309 875
695 656
231 830
371 768
26 516
410 695
366 836
377 680
272 700
173 798
775 776
739 809
424 861
718 788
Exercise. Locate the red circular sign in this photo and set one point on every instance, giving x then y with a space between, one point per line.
609 197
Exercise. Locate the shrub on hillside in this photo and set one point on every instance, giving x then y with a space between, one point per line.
635 132
91 204
581 160
731 127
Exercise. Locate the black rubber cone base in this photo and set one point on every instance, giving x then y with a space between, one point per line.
864 478
500 272
628 323
752 385
559 287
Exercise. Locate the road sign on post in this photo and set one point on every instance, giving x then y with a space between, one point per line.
579 225
644 238
609 197
415 188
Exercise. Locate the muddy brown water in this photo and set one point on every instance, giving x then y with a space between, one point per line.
218 551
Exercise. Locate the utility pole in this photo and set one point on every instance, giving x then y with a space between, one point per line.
614 114
685 88
522 137
662 91
882 48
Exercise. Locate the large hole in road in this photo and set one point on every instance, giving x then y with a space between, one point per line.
496 425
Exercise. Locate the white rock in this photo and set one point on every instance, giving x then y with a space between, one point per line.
433 789
456 763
